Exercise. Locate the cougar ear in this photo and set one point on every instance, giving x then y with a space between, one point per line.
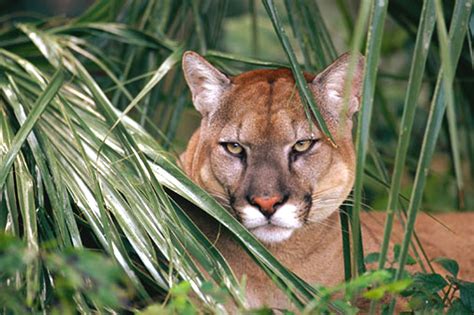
330 85
207 84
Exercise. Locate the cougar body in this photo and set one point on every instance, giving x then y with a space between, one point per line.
259 154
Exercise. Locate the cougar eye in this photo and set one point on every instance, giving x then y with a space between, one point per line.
303 146
233 148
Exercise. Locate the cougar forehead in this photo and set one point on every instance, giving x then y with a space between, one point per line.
262 106
260 153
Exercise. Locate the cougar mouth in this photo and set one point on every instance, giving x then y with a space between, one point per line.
277 227
271 233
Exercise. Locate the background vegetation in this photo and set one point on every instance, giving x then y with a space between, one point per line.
94 109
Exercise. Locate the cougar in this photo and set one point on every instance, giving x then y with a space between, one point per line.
260 156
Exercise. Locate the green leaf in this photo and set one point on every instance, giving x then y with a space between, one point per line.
431 283
458 308
181 289
410 260
371 258
466 290
426 303
375 294
450 265
394 288
396 255
399 286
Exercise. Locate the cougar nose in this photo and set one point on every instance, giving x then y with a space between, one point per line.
267 205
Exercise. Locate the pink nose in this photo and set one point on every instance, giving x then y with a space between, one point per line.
267 204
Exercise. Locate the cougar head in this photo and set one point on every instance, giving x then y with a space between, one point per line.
260 153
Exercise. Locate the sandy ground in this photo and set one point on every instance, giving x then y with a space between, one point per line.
448 235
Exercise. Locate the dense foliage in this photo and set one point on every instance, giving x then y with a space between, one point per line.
94 108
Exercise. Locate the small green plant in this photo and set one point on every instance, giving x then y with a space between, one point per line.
428 292
374 257
82 278
180 300
350 296
177 302
346 296
432 292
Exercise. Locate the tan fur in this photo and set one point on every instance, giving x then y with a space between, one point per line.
262 111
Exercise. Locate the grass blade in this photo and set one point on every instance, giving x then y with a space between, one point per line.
165 67
60 225
247 60
103 10
253 13
8 194
310 28
303 88
420 54
457 33
299 33
199 27
376 24
448 86
120 32
20 137
26 201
